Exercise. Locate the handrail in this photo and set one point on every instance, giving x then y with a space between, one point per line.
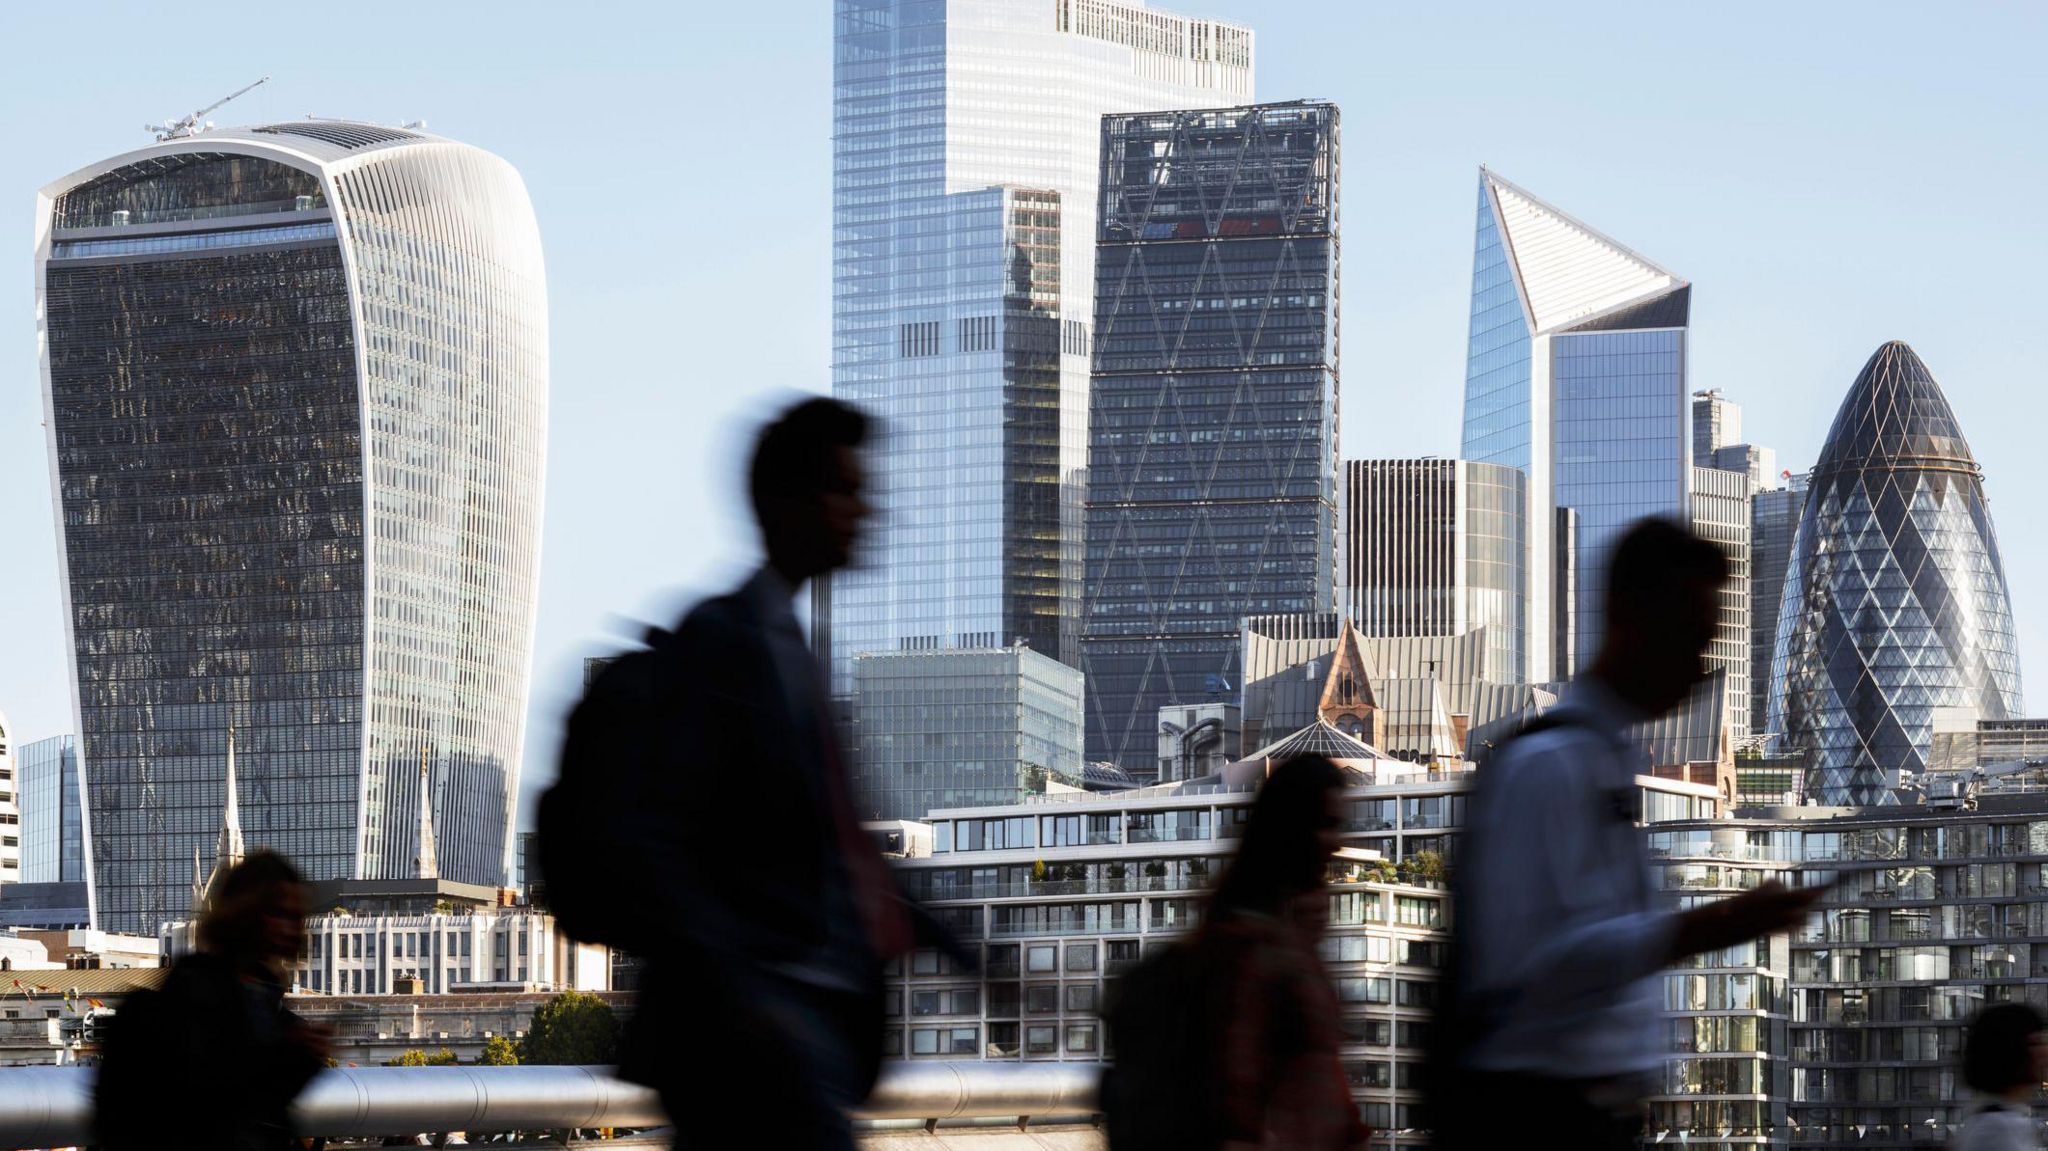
52 1106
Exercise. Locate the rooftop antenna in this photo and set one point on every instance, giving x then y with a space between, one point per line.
194 123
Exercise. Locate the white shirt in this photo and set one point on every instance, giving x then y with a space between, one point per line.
1567 933
2001 1127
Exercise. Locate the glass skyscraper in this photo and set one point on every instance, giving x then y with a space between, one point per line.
1436 547
1212 464
1721 516
962 728
1575 373
965 157
296 385
52 811
1895 604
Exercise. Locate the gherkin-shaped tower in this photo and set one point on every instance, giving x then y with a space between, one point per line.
1895 603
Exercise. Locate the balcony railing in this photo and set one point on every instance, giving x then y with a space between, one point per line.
52 1106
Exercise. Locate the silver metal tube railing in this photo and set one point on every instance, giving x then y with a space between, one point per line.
52 1106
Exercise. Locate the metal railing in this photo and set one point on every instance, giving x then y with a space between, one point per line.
52 1106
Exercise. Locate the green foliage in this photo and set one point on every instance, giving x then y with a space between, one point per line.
418 1058
1154 869
1424 867
498 1052
574 1028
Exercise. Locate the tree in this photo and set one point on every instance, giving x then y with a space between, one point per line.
418 1058
1424 867
498 1052
574 1028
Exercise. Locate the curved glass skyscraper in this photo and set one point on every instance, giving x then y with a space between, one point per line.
296 386
1895 601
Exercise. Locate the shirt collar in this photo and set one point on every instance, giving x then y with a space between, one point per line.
1600 706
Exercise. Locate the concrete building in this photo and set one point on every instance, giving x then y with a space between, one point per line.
1936 911
1437 547
369 1030
966 153
1212 428
1409 696
940 728
1721 515
1576 374
274 360
10 806
1064 895
1895 604
51 794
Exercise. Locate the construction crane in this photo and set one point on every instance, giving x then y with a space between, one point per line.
194 124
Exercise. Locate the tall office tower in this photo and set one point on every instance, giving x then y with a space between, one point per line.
962 728
1773 519
296 385
52 811
1895 603
1212 461
1436 547
1716 423
965 141
10 807
1575 374
1721 515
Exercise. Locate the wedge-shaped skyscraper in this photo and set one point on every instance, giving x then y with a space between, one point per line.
1575 373
296 385
1895 602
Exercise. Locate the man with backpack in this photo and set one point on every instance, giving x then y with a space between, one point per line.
735 864
1552 1011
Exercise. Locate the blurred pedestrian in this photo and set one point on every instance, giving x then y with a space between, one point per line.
1553 1011
2005 1060
762 1000
1230 1039
212 1060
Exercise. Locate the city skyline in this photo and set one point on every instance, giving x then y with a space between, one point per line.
1777 326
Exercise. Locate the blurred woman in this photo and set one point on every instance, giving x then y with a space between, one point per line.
212 1059
2005 1059
1276 1071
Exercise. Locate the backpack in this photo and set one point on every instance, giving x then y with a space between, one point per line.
135 1090
614 736
1154 1094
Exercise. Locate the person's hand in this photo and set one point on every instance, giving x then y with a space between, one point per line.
1768 907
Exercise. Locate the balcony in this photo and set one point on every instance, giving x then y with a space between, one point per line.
52 1106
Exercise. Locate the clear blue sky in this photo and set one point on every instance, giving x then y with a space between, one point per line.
1829 176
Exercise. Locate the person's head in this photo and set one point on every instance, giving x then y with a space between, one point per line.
257 916
1296 825
806 484
2006 1048
1662 606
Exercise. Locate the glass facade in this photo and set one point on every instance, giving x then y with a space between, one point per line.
1895 602
1773 520
966 135
52 811
1618 422
297 407
1575 373
961 728
1212 465
1436 547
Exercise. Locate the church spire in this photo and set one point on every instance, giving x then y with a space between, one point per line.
426 866
229 851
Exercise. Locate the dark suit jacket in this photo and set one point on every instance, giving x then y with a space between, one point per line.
733 836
